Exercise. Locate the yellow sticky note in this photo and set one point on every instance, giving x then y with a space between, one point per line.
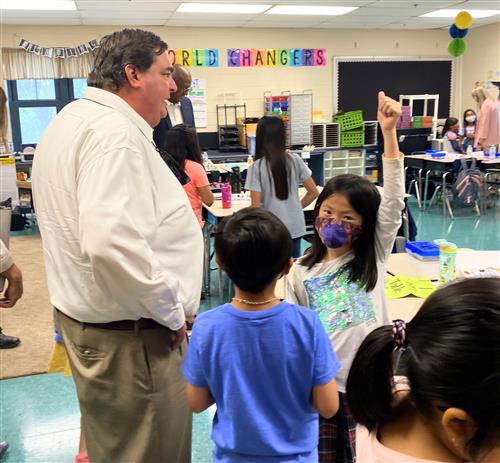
420 287
396 287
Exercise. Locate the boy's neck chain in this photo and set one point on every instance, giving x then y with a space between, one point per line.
244 301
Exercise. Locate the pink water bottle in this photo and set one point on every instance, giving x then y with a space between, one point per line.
226 195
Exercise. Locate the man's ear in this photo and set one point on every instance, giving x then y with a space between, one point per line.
459 428
132 75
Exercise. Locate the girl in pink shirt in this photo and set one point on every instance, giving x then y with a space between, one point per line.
182 144
450 355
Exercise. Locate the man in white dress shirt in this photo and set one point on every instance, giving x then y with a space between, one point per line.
123 253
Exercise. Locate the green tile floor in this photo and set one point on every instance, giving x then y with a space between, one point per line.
39 414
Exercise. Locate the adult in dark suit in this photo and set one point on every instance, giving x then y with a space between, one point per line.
179 106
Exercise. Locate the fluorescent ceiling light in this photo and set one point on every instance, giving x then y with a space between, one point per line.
221 8
311 10
37 5
452 13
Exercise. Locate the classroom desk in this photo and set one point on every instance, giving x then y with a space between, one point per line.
216 213
227 167
407 265
404 308
427 164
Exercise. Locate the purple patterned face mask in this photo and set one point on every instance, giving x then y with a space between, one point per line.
335 234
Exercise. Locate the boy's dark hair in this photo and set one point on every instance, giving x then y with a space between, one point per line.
128 46
452 360
181 142
253 246
270 144
365 200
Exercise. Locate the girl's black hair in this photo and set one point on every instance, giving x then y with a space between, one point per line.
465 122
181 142
365 200
452 360
450 122
270 144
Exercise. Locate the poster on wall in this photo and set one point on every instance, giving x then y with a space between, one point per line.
248 57
198 97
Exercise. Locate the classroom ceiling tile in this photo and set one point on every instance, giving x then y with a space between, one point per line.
390 14
44 21
8 16
123 22
297 23
137 15
203 23
123 5
212 18
421 4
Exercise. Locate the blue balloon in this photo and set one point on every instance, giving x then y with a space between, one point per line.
456 33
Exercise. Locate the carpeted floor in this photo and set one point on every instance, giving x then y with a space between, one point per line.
31 318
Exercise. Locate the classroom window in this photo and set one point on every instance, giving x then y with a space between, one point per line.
36 89
79 87
33 103
33 122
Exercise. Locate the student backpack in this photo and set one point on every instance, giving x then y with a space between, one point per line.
468 185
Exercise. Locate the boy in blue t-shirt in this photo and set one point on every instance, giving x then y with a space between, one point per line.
268 365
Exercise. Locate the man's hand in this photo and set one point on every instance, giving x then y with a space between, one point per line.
14 289
179 336
388 112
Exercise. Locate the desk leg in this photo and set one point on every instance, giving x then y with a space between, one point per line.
207 230
426 187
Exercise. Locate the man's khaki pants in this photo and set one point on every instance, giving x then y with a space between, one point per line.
131 393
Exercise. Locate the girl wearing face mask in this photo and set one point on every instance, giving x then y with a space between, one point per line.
343 275
469 129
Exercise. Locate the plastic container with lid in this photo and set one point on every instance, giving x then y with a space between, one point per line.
423 250
226 192
447 261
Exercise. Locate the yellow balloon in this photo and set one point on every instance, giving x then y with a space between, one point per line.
463 20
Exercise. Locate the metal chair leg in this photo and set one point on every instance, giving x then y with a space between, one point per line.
434 195
446 202
477 209
426 187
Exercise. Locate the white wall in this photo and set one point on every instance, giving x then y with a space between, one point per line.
480 62
252 82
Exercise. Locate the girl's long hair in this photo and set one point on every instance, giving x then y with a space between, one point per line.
452 359
270 144
365 200
450 122
181 142
467 123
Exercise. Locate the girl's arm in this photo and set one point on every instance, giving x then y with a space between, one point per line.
256 198
389 213
198 398
206 195
312 192
295 291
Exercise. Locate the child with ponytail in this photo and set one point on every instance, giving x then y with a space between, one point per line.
449 410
